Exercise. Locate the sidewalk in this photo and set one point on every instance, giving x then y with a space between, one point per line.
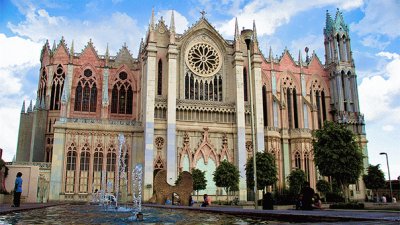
6 208
298 215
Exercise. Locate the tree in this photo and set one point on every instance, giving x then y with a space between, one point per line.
323 186
199 180
296 181
374 179
266 171
227 176
337 154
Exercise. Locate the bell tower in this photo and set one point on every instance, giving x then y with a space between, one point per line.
343 79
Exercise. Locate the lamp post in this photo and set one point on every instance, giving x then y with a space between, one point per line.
247 36
390 181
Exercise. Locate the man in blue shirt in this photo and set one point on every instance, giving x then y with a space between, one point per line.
17 190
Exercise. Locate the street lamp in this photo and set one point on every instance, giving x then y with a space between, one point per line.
247 38
390 181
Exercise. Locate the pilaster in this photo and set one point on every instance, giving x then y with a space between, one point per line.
258 106
171 115
104 100
240 122
57 165
68 86
148 114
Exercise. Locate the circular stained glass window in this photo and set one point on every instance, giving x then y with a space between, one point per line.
87 73
203 59
123 75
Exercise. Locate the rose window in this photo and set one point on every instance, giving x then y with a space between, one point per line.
203 59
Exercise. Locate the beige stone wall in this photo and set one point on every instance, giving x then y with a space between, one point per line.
30 176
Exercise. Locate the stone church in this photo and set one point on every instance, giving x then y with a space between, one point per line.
186 101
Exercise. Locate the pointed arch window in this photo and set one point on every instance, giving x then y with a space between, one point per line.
159 78
122 95
84 169
203 89
70 169
307 165
57 88
42 86
297 160
86 93
97 167
265 105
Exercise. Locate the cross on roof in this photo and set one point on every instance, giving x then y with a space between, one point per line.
202 12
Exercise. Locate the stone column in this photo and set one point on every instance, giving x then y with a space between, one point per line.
68 85
148 115
339 91
171 115
275 104
302 103
57 164
241 127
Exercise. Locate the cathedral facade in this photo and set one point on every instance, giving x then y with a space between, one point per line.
186 101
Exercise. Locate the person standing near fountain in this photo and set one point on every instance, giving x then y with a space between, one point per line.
17 190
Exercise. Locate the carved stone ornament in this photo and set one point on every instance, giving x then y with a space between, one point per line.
203 59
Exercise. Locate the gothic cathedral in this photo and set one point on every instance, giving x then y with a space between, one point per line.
186 101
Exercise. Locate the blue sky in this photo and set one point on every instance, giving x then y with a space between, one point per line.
294 24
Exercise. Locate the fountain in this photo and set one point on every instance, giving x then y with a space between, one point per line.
137 175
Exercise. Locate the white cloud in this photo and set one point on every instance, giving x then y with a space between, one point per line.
270 15
374 41
381 17
181 23
378 92
18 57
388 128
115 30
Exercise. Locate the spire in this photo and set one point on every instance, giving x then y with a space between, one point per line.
237 36
53 49
172 25
254 31
300 59
71 52
37 103
270 54
151 27
30 107
328 24
107 56
23 107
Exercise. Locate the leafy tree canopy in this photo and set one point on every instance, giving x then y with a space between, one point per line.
323 186
199 179
266 170
374 179
337 154
226 175
296 180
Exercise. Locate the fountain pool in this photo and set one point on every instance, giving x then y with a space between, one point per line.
95 214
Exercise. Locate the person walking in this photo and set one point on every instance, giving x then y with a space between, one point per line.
17 190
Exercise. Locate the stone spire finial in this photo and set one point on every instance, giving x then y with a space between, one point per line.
300 59
29 107
23 107
71 52
53 49
152 23
172 25
271 56
254 32
107 55
237 35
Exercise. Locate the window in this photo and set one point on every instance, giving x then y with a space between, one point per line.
203 89
122 96
297 160
86 93
246 98
57 88
265 105
159 78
